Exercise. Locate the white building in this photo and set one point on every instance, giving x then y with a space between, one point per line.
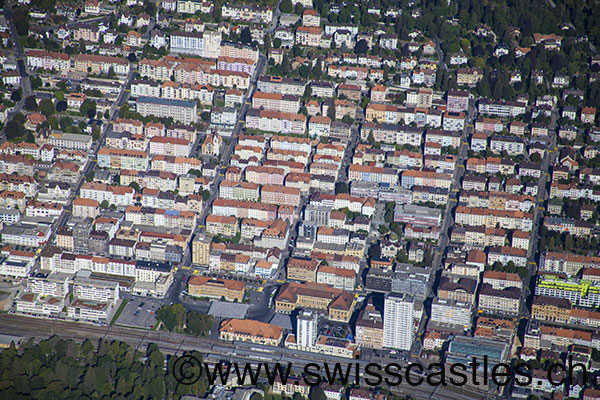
15 268
205 44
49 284
89 310
100 290
398 325
180 110
451 312
307 330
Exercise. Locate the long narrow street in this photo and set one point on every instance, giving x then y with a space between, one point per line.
448 219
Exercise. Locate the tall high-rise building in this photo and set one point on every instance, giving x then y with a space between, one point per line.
307 329
201 250
398 325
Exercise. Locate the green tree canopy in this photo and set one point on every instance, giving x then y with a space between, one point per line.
286 6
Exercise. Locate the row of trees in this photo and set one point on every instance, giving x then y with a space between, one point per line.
176 318
64 369
508 267
556 241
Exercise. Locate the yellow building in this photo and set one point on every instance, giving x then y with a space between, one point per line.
299 269
553 309
203 286
339 303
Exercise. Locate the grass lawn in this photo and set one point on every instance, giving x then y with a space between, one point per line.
119 311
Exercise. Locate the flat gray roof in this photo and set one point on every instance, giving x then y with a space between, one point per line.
224 309
6 339
282 320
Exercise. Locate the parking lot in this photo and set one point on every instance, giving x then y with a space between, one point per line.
139 312
335 329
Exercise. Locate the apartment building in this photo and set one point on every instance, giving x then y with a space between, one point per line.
122 159
369 328
516 220
512 145
378 94
392 133
322 89
156 70
567 263
194 6
574 227
49 284
236 64
94 289
85 32
275 121
97 64
221 225
365 173
180 110
247 12
454 121
175 165
339 278
319 126
276 102
282 85
204 286
48 60
303 270
551 309
265 175
445 138
451 312
205 44
310 18
309 36
503 109
468 76
70 141
120 196
275 194
457 100
243 191
411 178
504 255
502 280
239 50
499 301
168 146
245 209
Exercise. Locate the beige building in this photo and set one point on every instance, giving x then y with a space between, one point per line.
520 240
201 250
204 286
221 225
501 280
552 309
495 301
369 328
338 303
292 386
84 208
246 330
303 270
308 36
